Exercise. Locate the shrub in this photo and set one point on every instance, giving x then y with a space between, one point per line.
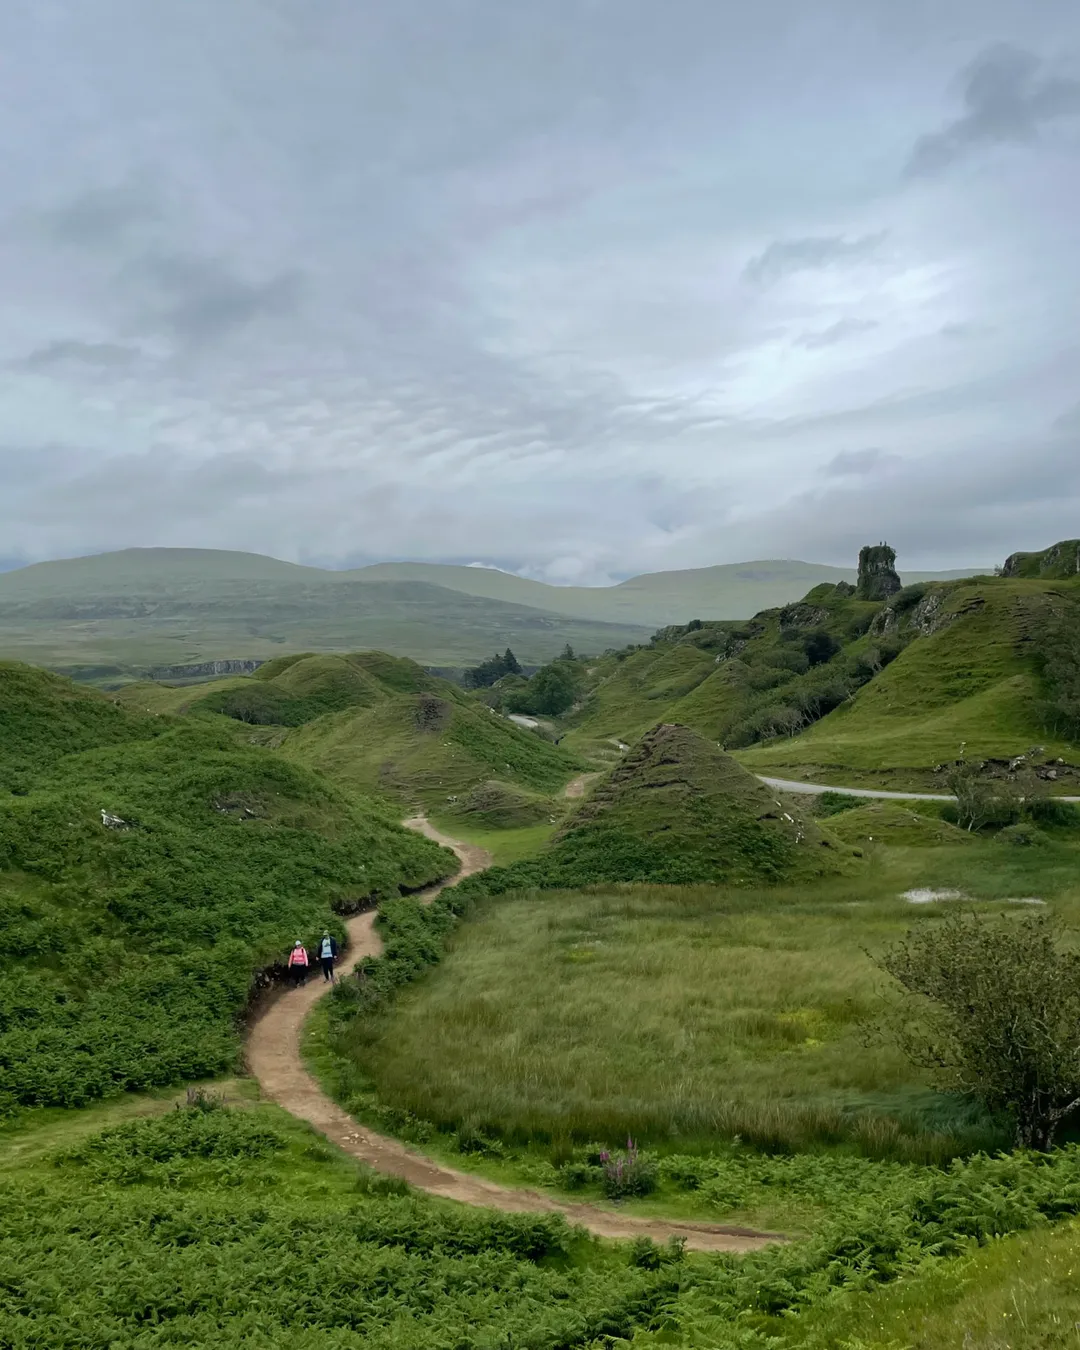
833 803
996 1015
627 1173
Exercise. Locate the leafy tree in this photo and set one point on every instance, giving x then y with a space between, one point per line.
551 691
994 1011
568 653
494 668
976 806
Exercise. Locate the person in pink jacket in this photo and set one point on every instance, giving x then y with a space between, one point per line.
298 963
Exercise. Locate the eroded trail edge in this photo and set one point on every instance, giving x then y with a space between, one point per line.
273 1056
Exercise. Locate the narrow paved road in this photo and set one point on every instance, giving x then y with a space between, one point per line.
789 785
273 1056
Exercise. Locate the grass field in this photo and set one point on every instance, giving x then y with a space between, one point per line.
685 1014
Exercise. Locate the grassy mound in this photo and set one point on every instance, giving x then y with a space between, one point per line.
145 882
295 690
434 748
504 806
44 717
895 823
677 810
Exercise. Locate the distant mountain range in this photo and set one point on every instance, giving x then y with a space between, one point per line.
113 614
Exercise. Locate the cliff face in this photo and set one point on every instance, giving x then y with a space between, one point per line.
204 668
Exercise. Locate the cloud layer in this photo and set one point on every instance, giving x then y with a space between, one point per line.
579 290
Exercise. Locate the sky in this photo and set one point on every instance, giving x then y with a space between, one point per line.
580 289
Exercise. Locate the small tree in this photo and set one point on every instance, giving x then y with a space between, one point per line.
973 798
994 1011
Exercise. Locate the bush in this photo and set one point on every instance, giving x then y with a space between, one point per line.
627 1173
833 803
1023 834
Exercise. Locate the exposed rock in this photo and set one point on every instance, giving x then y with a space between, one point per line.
1056 563
112 822
877 572
432 713
802 615
204 668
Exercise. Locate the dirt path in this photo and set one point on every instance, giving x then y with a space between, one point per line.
273 1056
577 786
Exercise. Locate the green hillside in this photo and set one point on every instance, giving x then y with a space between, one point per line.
115 616
727 591
967 683
676 810
148 870
118 616
434 749
841 689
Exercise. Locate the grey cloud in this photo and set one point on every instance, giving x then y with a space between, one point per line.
201 299
962 332
463 281
836 332
106 355
102 216
784 257
1009 94
859 463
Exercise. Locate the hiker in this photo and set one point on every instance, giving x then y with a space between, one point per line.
327 955
298 962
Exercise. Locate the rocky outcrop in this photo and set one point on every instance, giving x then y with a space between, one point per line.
878 578
203 669
1059 562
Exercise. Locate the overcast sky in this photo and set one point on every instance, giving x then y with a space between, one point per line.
581 288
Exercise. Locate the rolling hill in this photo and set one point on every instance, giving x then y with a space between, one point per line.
845 690
728 591
117 616
150 868
677 811
114 616
382 725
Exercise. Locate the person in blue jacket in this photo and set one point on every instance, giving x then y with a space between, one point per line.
327 956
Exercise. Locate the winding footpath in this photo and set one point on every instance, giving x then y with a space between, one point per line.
274 1059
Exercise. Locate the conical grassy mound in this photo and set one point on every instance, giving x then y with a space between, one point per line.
678 810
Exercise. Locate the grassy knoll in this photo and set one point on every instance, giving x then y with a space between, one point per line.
678 810
436 749
684 1014
130 948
